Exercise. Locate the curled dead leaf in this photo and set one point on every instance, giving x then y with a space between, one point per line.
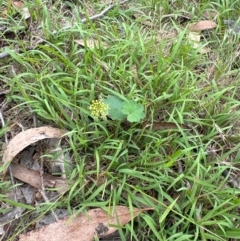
96 222
26 138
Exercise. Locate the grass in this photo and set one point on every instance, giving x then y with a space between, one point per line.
178 172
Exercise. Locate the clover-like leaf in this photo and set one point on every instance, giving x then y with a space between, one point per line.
133 110
115 107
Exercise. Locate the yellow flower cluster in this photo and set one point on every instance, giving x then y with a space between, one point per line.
99 109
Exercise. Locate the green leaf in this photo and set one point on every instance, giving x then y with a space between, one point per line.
133 110
166 212
115 105
21 205
229 233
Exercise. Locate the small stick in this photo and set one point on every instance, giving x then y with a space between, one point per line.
9 167
101 14
45 198
42 190
84 20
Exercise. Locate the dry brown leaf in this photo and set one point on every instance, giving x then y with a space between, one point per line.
202 25
18 4
33 178
25 138
22 9
96 222
91 43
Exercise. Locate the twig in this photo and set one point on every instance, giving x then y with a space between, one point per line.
101 14
84 20
45 198
9 167
42 190
3 124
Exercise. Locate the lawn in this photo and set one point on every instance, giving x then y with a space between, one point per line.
149 105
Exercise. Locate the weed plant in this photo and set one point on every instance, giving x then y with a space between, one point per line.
179 172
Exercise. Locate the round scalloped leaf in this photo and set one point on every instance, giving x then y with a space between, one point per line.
133 110
115 107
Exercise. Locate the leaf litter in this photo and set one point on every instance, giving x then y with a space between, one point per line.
194 34
96 223
101 228
33 178
25 138
25 174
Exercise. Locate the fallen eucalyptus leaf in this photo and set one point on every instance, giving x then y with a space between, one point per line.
33 178
86 226
202 25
